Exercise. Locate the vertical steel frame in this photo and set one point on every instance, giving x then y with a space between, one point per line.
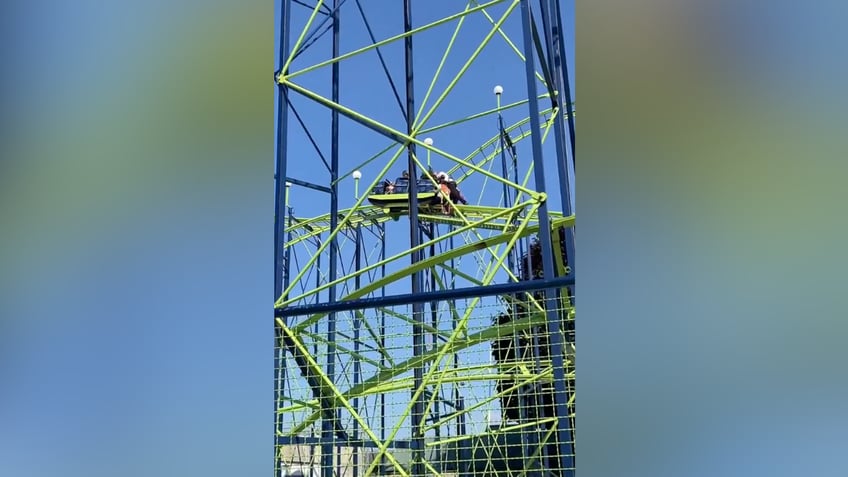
554 320
554 60
327 426
282 22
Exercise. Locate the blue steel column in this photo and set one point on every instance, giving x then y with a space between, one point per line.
565 168
417 308
553 319
464 454
566 82
527 443
505 170
382 227
558 65
287 260
434 322
281 26
356 364
555 66
327 426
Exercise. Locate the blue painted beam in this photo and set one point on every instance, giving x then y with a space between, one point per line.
565 167
327 425
282 21
357 119
566 83
417 414
555 336
440 295
309 185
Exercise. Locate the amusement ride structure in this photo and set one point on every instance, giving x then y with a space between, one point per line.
424 322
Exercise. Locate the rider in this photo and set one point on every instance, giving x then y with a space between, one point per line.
455 194
388 187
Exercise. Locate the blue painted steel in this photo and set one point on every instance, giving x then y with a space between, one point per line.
323 9
315 328
327 427
311 36
566 169
526 448
308 134
417 414
280 145
279 351
318 244
287 261
434 321
382 61
282 20
356 364
310 185
564 166
510 259
566 83
377 129
440 295
554 328
465 452
382 334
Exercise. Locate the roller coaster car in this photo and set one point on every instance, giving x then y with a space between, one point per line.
396 198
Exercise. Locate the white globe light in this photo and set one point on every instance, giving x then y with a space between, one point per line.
357 175
498 89
288 184
428 141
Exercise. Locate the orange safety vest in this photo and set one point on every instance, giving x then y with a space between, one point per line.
445 190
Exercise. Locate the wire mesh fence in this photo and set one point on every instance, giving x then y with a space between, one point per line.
480 386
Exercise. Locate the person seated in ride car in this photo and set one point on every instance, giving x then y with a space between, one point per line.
388 187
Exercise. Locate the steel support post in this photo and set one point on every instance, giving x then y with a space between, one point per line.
328 427
417 414
553 317
356 363
282 20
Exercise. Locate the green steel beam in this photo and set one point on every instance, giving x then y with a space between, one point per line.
401 136
460 328
511 44
488 334
327 386
385 280
300 39
419 123
281 78
441 63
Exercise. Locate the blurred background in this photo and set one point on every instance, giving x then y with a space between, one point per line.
136 214
136 210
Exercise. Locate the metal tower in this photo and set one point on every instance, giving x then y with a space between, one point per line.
417 331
